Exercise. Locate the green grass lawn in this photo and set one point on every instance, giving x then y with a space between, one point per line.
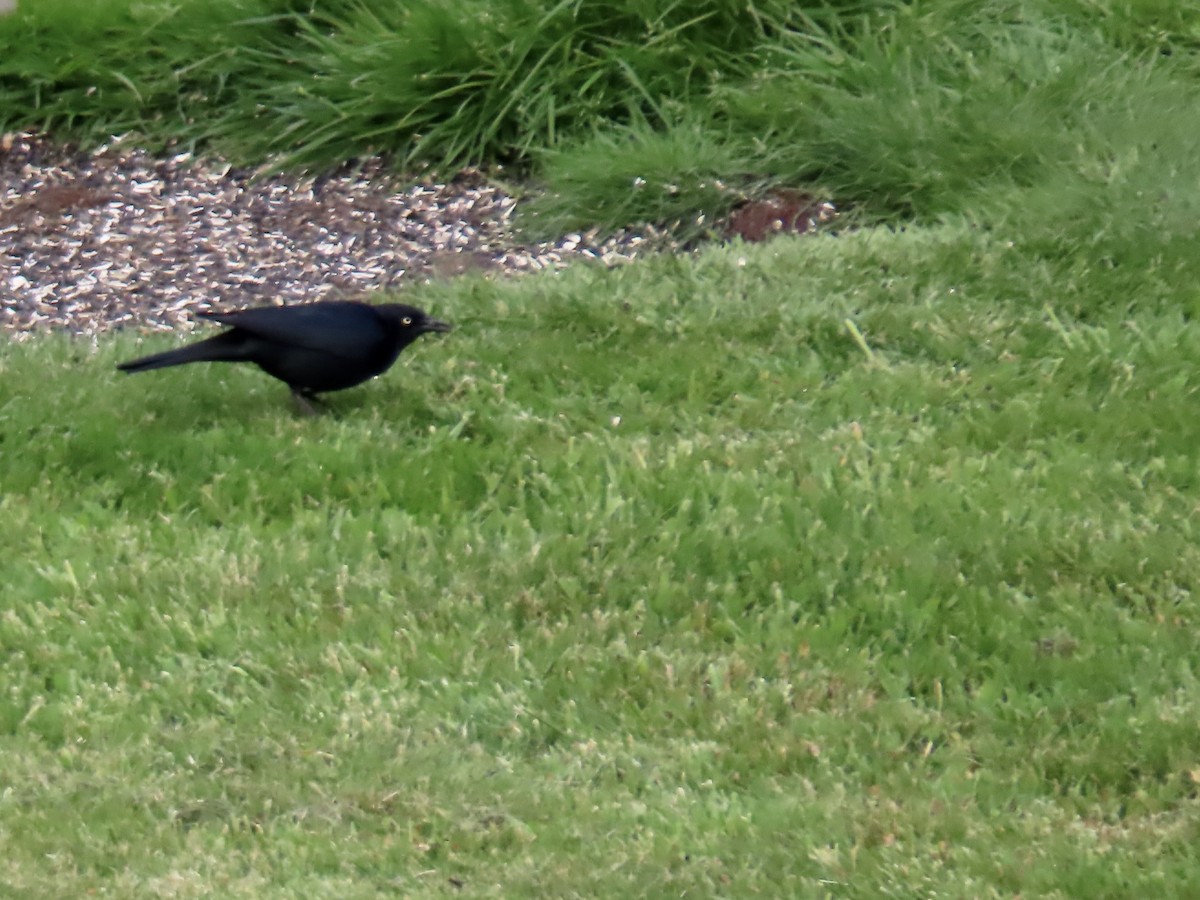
858 565
855 565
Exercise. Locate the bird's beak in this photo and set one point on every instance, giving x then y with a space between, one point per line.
435 325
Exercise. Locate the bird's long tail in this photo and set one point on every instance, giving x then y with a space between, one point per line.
226 347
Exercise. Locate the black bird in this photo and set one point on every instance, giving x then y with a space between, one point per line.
313 348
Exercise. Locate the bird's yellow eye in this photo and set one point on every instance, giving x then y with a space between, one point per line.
407 320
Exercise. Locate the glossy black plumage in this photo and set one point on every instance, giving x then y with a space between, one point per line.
313 348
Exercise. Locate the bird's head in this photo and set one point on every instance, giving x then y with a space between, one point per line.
410 322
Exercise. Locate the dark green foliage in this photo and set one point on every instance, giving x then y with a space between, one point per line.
628 111
428 80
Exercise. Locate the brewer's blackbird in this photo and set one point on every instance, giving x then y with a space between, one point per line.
313 348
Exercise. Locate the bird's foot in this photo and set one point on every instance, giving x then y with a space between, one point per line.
307 404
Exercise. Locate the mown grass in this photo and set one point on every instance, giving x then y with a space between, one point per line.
650 580
856 565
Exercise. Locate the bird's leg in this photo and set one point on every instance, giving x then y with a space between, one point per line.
306 402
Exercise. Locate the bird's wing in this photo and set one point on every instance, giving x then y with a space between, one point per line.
340 328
